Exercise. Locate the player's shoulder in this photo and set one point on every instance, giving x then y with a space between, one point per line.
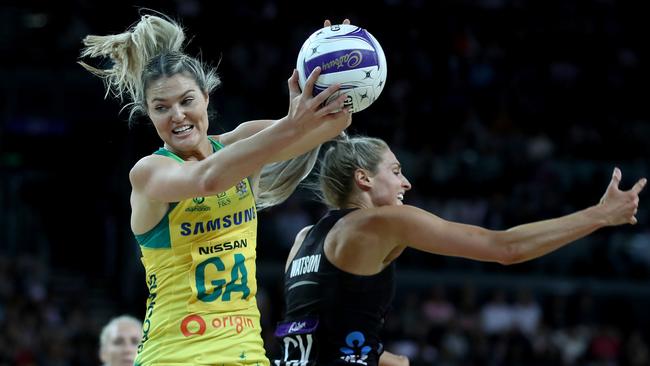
374 221
148 164
372 215
151 161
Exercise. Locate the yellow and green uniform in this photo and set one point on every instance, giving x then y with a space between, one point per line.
200 271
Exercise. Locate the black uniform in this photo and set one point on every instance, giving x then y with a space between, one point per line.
332 317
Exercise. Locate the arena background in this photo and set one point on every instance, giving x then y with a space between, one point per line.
501 111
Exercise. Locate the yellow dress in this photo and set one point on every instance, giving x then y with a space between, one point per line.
201 275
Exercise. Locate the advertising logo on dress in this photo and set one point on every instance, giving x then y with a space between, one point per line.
198 205
355 352
223 199
195 325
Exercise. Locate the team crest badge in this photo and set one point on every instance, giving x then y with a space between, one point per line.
241 189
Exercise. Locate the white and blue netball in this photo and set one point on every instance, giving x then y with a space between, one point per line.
347 55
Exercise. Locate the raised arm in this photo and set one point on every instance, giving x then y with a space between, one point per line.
337 120
163 180
314 137
390 227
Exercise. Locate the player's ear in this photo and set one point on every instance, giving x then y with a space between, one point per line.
362 179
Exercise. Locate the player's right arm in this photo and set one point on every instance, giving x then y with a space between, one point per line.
334 118
389 227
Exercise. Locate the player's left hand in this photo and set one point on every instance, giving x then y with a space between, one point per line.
620 207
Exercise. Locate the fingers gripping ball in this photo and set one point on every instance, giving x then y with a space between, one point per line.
347 55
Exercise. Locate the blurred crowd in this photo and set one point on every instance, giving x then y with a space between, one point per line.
515 327
51 321
42 323
501 112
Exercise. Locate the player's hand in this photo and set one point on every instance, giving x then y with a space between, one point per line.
391 359
620 207
327 22
307 111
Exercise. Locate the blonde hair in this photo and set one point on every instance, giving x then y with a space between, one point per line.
152 49
340 161
279 180
149 50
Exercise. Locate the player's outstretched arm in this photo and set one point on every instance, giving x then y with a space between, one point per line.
390 227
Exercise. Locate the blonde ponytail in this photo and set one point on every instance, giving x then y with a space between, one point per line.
279 180
150 49
130 51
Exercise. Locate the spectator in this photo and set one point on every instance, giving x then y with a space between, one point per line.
118 341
